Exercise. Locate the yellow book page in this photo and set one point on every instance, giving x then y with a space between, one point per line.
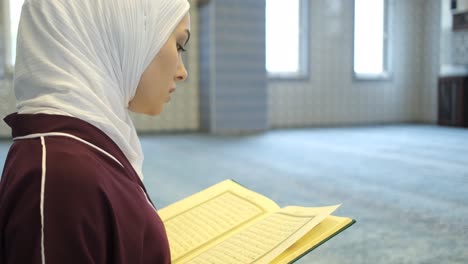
322 231
203 219
267 238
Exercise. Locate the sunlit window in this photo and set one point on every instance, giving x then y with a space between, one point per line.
370 39
286 38
14 11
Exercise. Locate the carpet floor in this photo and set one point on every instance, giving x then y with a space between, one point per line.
406 185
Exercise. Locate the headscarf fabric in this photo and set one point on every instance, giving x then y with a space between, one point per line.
85 58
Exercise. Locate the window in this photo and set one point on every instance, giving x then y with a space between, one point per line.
371 39
286 38
13 11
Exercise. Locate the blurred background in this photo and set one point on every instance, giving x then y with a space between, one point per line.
318 102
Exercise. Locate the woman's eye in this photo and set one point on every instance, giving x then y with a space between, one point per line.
180 48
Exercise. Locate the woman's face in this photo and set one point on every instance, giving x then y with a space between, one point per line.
159 80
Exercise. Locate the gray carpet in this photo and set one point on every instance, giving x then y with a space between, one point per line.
407 186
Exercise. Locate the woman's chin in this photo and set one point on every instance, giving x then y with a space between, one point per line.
155 112
150 111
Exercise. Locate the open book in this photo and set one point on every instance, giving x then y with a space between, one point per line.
228 223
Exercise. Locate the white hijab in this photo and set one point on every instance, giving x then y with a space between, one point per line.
85 58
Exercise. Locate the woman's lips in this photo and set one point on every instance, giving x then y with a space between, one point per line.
170 92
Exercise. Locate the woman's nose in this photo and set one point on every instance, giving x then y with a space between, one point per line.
182 73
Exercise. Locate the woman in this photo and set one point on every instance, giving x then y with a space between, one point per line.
71 190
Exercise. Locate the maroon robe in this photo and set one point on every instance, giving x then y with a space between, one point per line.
65 201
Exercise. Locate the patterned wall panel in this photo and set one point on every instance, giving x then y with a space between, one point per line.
332 96
7 101
444 19
2 40
434 54
7 105
234 89
460 48
206 65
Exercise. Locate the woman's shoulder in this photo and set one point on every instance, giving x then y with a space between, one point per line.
61 169
66 160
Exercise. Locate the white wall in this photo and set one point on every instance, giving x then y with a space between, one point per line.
7 102
332 96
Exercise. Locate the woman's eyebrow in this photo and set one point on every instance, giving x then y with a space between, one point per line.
188 36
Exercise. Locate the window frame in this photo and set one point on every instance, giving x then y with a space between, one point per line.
304 49
387 73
